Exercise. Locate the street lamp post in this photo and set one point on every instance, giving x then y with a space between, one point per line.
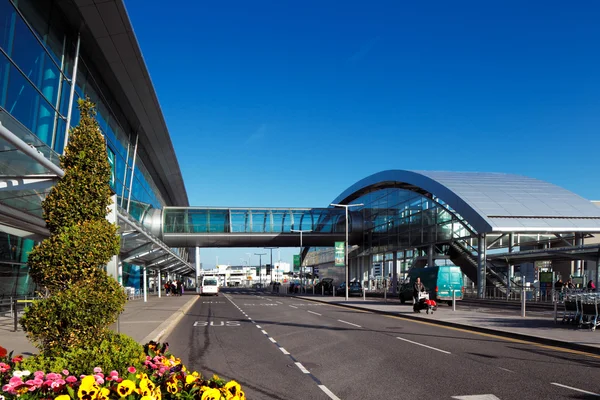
271 248
346 206
301 232
260 267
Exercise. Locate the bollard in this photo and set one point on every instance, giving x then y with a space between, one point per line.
523 300
323 290
364 294
384 293
313 289
453 300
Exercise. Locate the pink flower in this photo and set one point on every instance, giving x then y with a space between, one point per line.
131 370
57 384
71 379
97 370
53 376
4 367
99 380
38 381
39 374
15 380
65 372
114 373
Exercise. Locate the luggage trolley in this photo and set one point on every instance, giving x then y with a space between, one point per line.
589 310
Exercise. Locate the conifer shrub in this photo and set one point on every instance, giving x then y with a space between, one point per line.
80 299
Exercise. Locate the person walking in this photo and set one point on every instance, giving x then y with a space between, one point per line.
418 287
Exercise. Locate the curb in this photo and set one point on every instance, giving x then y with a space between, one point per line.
165 328
512 335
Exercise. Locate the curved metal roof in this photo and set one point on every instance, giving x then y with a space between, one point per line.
492 202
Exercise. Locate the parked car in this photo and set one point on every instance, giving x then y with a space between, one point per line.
439 281
354 289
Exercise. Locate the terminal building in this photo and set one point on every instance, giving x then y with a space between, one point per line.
51 54
501 229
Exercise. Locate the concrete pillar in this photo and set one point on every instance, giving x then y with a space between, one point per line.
112 267
159 283
395 273
579 263
481 266
145 286
197 269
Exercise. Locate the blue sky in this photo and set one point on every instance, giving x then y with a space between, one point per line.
281 103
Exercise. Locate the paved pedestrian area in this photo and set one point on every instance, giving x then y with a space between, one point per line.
153 319
143 321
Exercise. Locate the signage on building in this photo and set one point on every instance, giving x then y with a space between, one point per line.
296 262
339 254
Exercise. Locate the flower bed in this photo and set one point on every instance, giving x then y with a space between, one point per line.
162 377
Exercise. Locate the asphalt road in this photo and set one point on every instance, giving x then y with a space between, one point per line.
287 348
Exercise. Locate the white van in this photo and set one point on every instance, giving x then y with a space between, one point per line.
210 285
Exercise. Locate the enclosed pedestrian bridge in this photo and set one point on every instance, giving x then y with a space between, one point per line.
252 227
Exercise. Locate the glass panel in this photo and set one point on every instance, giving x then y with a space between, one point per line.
198 221
218 221
25 104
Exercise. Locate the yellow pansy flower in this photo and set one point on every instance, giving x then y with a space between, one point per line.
211 394
125 388
232 388
148 398
189 379
104 393
63 397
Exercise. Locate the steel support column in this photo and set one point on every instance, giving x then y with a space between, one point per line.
430 255
511 266
72 94
481 266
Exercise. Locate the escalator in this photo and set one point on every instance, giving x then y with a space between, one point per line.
461 256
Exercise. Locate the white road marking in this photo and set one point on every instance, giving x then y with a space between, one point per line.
349 323
577 390
258 326
265 332
293 306
284 351
279 302
477 397
312 312
328 392
507 370
424 345
272 340
299 365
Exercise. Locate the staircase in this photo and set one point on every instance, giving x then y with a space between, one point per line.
461 256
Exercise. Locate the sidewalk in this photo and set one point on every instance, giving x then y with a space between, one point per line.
537 326
143 321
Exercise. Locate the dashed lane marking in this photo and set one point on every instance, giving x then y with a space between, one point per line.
424 345
328 392
299 365
575 389
272 340
349 323
284 351
316 313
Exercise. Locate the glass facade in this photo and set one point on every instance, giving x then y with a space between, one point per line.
37 54
400 219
